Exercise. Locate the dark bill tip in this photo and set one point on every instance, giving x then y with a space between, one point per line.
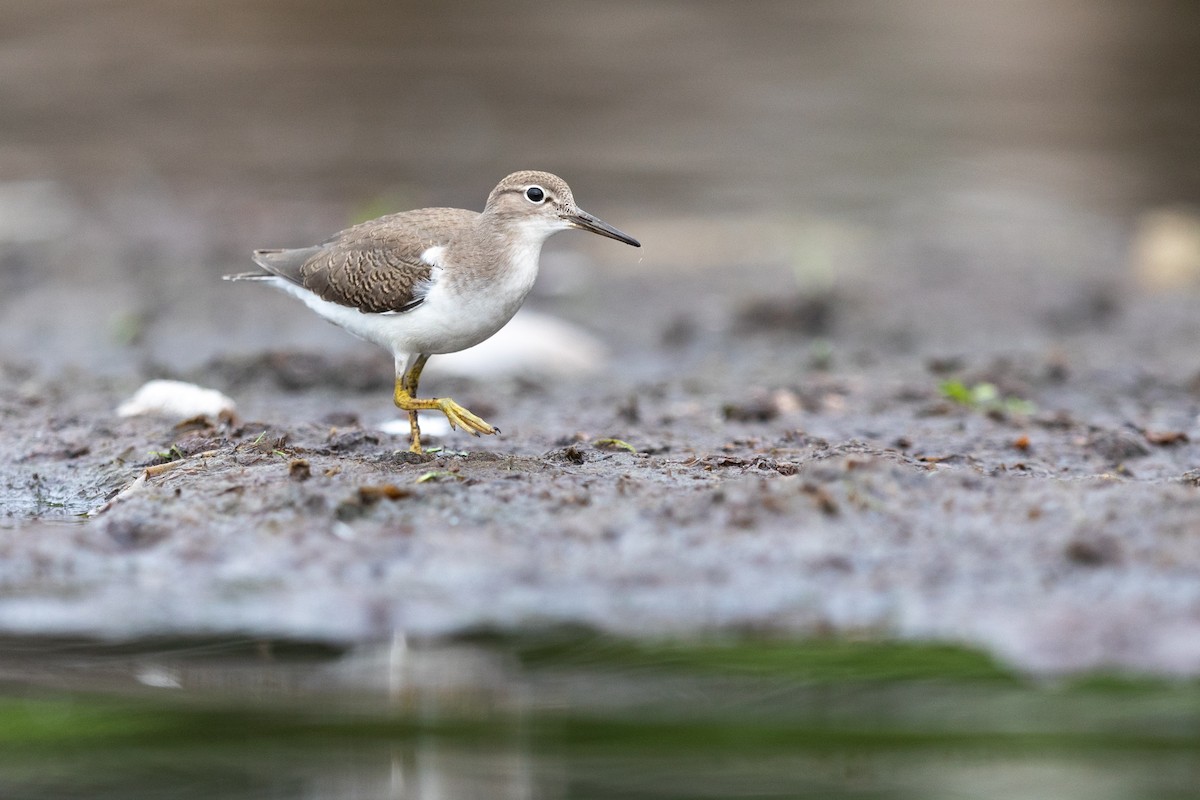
586 222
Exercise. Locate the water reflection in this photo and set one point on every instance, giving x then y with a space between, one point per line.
575 716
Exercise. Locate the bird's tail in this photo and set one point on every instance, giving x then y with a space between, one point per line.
265 258
248 276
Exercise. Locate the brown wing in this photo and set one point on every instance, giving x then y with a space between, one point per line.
375 266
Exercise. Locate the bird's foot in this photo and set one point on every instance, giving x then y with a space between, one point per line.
456 415
460 417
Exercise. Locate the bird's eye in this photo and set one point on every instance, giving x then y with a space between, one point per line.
535 194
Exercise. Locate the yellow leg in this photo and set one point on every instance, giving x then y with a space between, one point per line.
410 380
459 417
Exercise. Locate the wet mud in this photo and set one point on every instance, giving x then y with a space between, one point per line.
844 473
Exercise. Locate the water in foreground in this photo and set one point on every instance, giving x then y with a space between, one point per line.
576 715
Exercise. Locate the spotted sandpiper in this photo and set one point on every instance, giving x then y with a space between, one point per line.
432 280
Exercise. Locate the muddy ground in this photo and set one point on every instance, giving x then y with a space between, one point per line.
788 464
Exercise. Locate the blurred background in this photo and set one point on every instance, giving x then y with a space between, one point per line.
936 149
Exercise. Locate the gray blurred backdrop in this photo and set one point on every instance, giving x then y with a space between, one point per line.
953 148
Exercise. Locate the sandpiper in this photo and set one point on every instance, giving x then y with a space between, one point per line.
432 280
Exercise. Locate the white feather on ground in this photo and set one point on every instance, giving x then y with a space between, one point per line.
176 399
532 343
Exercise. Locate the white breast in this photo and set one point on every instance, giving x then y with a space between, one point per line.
452 317
458 315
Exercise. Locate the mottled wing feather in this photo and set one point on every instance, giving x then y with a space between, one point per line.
375 266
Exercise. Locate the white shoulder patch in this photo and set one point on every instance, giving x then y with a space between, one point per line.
433 255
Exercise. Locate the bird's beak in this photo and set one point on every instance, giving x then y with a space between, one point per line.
586 222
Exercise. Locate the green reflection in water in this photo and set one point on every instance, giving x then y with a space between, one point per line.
577 715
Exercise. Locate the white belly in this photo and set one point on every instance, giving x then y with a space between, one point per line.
447 321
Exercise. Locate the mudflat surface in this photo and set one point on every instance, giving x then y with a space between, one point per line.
760 482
